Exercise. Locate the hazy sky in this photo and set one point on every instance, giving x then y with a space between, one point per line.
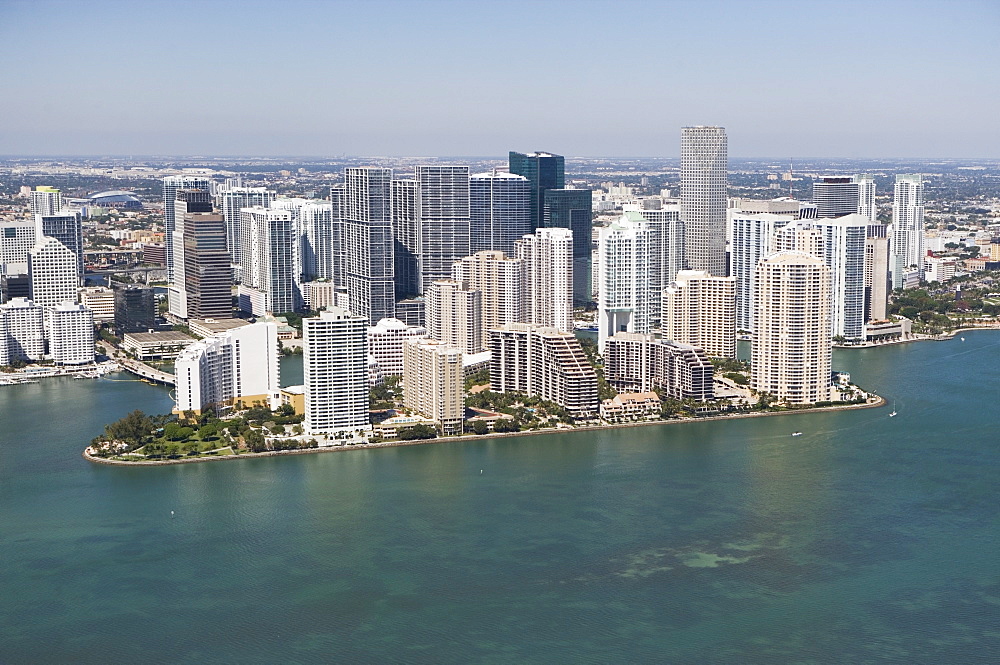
802 78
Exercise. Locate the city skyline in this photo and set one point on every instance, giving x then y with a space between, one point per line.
478 93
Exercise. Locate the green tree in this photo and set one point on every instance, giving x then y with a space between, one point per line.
480 427
418 431
131 429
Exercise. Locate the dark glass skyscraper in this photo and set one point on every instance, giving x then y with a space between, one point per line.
571 209
544 171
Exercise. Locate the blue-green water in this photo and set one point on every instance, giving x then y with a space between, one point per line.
867 539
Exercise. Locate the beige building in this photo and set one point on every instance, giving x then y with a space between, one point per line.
699 309
100 300
499 279
791 350
454 315
434 382
640 363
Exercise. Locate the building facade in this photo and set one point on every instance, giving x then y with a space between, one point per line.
704 181
442 221
547 278
454 315
499 211
71 334
385 344
499 280
434 382
699 309
625 300
907 243
640 363
368 226
22 331
335 362
544 171
52 271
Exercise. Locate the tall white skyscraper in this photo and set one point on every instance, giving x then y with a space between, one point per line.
45 201
67 228
170 186
624 298
52 273
750 240
269 262
791 348
368 225
704 178
866 196
22 331
335 367
907 244
442 220
547 295
499 210
319 242
666 248
699 309
232 199
71 334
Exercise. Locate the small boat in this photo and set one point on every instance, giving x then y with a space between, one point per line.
962 338
796 433
892 415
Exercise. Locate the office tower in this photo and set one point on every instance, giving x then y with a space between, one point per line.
499 211
22 324
411 311
635 362
100 300
170 186
67 229
544 362
791 347
666 246
385 344
751 237
52 271
866 196
186 202
544 171
16 238
208 275
547 286
571 209
624 299
232 199
704 177
71 334
499 279
442 221
15 286
405 234
335 366
700 309
454 315
269 282
838 196
907 243
321 241
368 224
239 365
434 382
876 276
45 200
135 309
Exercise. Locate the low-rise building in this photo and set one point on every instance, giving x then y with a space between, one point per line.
156 345
211 327
630 406
101 301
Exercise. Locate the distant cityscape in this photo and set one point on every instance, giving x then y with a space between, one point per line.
434 297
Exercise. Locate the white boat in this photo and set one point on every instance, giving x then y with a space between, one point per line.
962 338
796 433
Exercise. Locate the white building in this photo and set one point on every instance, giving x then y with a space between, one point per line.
231 200
907 243
71 334
45 201
269 262
434 382
791 348
22 331
624 298
385 344
751 235
866 197
52 270
939 269
16 240
239 365
454 315
704 180
321 239
66 227
335 363
547 295
666 245
699 309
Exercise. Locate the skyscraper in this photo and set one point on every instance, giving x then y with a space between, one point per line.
499 280
16 238
666 251
455 315
67 228
22 331
624 298
45 200
442 220
751 237
368 224
135 309
207 271
434 382
571 209
52 270
71 334
704 179
866 196
499 211
544 171
791 347
335 369
405 233
187 202
320 241
700 309
170 186
547 286
839 196
269 283
232 199
907 245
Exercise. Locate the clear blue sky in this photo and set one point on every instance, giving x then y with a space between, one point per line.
412 77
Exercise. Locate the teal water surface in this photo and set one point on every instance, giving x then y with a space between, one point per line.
866 539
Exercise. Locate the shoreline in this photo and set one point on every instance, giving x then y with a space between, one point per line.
923 338
879 401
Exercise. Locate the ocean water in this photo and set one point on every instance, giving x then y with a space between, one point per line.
865 540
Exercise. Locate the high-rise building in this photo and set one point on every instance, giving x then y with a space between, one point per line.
187 202
624 299
866 196
100 300
368 224
385 344
791 347
546 362
434 382
751 236
16 239
907 243
71 334
405 233
666 246
876 276
499 211
170 186
231 200
135 309
704 179
454 315
843 251
321 241
499 280
571 209
442 220
547 286
67 228
544 171
207 271
640 363
335 368
239 365
269 280
838 196
22 331
52 270
699 309
45 200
